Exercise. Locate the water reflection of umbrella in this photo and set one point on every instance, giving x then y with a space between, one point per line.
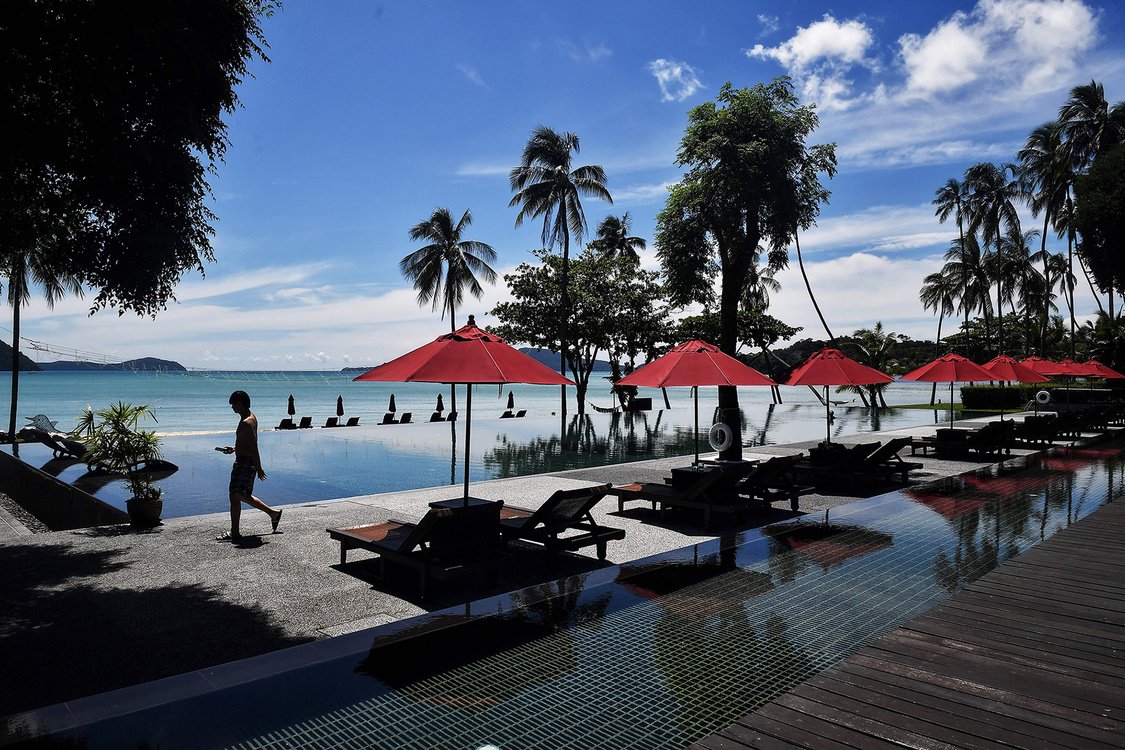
950 507
339 406
468 355
685 589
828 544
695 363
832 367
292 406
952 368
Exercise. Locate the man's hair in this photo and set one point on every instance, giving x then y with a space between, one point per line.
240 397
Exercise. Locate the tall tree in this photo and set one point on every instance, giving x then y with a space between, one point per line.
545 184
1047 171
939 292
1101 220
612 238
950 200
752 179
442 270
994 192
965 263
113 114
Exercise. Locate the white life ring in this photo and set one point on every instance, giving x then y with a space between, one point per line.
1043 397
720 436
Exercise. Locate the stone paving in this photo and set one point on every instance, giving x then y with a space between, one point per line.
96 609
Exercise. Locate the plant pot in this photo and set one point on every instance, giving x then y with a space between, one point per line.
144 512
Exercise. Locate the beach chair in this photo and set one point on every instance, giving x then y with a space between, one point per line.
332 422
774 480
306 423
885 461
437 417
840 464
62 447
713 492
507 414
405 419
446 542
352 422
286 424
389 418
521 413
452 417
564 511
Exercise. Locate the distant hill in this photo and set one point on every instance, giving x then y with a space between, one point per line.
551 359
6 359
144 364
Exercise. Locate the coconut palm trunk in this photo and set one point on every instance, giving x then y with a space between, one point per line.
808 287
15 369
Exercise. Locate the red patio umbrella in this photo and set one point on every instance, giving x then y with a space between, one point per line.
1101 370
695 363
1041 366
1074 369
468 355
1005 368
832 367
952 368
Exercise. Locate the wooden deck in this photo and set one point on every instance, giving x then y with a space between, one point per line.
1032 655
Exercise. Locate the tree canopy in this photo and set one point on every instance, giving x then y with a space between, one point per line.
616 308
114 118
1100 214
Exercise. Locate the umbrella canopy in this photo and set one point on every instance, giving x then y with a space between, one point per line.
1041 366
832 367
1076 369
339 406
952 368
292 406
694 363
1006 368
1102 370
468 355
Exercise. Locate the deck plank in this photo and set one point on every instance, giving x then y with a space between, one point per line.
1031 655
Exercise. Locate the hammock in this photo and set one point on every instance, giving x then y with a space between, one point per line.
603 409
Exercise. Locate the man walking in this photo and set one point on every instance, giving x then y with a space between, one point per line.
247 464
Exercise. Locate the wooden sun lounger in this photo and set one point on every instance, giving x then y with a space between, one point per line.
446 542
565 511
352 422
713 492
774 480
306 423
286 424
332 422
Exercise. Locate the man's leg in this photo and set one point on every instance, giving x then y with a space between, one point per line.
254 502
235 513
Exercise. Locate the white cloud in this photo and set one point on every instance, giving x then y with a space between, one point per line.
878 228
472 74
819 57
641 194
586 53
769 24
677 80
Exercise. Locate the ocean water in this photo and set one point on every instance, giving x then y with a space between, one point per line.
318 464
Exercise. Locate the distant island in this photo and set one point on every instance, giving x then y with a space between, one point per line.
144 364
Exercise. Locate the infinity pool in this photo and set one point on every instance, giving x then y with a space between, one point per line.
651 654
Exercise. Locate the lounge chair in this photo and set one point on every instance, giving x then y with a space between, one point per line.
306 423
774 480
287 424
885 461
389 418
446 542
452 417
713 491
405 417
352 422
332 422
63 447
833 466
437 417
521 413
507 415
566 510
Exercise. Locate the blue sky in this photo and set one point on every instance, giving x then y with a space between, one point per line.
371 115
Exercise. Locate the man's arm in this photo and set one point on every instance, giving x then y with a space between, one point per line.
253 438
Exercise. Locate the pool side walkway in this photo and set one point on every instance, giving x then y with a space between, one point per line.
97 609
1031 655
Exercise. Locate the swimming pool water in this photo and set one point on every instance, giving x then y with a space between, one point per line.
655 653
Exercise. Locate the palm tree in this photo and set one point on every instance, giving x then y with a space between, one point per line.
442 270
1091 126
613 238
38 266
872 347
949 200
965 263
1026 283
1047 171
545 185
992 212
939 291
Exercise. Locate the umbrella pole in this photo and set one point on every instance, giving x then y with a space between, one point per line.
827 417
951 403
468 431
696 389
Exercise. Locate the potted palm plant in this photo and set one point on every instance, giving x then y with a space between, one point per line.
116 443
